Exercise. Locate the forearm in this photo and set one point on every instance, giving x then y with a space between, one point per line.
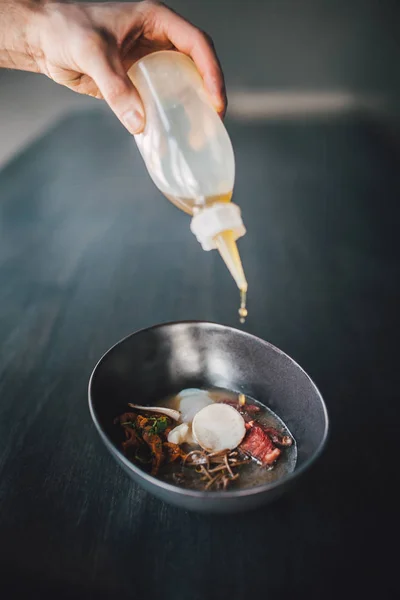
16 18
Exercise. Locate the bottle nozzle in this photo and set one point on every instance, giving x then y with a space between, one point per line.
219 226
227 247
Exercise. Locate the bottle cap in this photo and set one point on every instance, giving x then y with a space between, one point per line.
214 220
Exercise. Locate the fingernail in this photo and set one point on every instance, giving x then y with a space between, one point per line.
222 112
216 96
218 104
217 99
133 121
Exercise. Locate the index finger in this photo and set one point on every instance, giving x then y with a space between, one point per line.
198 45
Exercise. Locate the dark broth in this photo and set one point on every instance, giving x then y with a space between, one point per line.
250 474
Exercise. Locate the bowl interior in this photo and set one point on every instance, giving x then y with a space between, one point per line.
151 364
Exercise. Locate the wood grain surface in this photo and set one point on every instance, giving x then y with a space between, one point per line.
89 252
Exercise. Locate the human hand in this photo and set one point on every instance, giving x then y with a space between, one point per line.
90 47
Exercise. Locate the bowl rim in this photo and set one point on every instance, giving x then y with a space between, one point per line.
180 491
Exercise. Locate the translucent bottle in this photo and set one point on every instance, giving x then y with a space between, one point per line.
189 155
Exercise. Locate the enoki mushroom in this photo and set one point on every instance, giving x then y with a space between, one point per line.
216 469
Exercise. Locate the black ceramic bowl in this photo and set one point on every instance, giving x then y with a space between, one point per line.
153 363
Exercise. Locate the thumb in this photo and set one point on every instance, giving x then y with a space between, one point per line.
106 69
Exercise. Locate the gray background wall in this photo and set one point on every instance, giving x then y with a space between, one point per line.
275 53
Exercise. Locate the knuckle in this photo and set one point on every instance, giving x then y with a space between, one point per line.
152 3
91 42
155 11
201 37
151 6
208 39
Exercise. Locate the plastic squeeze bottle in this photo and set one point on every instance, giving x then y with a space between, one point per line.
189 155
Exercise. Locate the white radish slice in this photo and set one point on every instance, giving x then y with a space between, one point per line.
169 412
191 392
181 434
191 404
218 427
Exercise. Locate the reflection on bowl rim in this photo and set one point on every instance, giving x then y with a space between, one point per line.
203 494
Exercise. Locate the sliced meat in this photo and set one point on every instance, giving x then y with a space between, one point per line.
259 445
248 412
278 438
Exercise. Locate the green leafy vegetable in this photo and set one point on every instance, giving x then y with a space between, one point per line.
160 424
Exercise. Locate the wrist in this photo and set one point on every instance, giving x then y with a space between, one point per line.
17 47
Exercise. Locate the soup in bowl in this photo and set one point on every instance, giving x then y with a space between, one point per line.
207 417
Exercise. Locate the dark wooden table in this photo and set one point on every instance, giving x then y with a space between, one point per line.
89 252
